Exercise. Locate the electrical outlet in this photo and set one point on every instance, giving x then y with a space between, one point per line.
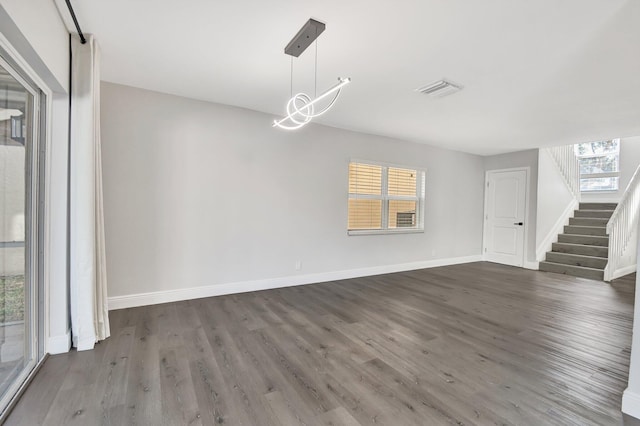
298 265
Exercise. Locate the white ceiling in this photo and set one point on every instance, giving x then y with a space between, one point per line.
535 73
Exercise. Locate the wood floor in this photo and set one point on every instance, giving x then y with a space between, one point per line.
462 345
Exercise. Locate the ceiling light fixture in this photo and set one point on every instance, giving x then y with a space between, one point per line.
301 108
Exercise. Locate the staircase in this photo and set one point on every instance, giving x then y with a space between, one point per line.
582 251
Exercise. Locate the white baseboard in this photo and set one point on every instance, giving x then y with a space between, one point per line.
156 297
631 403
59 344
623 271
531 265
552 236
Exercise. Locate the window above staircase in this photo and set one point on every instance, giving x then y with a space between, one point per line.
599 165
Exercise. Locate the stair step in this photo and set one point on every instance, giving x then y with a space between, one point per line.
588 221
598 206
590 240
593 213
577 260
585 230
576 271
597 251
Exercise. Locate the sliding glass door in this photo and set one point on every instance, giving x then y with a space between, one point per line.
20 212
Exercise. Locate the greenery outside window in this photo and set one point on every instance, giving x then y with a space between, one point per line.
599 165
385 199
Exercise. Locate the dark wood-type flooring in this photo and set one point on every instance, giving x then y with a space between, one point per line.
479 343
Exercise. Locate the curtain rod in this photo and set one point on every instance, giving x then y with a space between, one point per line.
75 21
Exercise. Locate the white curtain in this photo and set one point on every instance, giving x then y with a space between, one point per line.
88 277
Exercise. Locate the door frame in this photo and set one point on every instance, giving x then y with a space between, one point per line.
39 165
485 217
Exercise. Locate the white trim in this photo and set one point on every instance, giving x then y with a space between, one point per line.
385 231
45 244
24 65
622 272
59 344
32 218
485 220
557 228
604 191
531 265
631 403
385 198
152 298
603 174
598 175
387 164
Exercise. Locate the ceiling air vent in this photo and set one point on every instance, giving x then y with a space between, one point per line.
440 89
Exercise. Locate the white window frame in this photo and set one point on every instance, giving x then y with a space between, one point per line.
600 175
385 198
36 306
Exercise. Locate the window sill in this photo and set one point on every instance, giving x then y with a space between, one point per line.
601 191
385 231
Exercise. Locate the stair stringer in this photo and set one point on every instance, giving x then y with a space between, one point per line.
552 236
557 199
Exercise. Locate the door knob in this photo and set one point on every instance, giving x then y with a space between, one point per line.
518 223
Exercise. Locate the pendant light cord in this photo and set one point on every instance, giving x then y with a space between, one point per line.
315 89
291 79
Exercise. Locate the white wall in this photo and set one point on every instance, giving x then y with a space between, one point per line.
631 396
59 325
199 194
40 24
34 31
629 161
529 159
556 204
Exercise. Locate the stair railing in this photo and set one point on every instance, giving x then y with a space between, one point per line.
569 166
621 225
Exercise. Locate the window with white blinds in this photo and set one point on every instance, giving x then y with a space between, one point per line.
385 199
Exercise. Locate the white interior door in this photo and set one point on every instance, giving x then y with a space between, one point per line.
505 206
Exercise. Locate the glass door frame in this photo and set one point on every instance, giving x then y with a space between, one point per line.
34 311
